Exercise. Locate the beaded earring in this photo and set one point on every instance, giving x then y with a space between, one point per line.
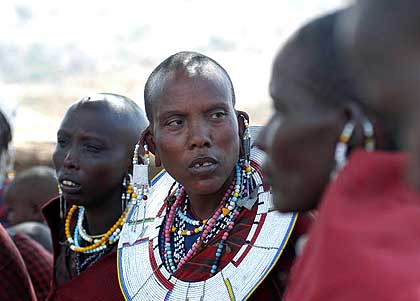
125 197
341 149
246 163
369 135
63 204
141 171
246 140
140 182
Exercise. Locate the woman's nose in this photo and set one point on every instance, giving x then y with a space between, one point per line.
71 159
199 135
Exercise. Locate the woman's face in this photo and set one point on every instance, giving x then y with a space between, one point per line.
299 139
91 156
195 132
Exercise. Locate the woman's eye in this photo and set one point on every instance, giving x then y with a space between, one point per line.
175 123
61 142
92 148
218 115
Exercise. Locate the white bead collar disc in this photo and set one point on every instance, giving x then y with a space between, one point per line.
142 275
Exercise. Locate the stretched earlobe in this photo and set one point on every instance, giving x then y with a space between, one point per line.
358 132
158 163
363 135
147 138
243 118
244 135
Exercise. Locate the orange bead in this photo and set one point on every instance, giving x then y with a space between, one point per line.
225 211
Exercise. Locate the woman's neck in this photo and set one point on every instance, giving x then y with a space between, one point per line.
203 206
104 215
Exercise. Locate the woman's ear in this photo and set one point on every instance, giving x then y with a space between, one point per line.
147 138
242 116
353 111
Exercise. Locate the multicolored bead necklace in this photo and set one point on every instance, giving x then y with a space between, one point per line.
199 225
223 219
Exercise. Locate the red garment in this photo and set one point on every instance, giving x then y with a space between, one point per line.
15 283
99 282
364 244
38 261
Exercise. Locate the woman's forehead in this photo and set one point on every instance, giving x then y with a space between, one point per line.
98 121
189 93
189 83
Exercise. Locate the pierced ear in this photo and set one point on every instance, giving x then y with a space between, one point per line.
147 138
354 112
241 116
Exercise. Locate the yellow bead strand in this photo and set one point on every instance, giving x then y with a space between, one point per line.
100 242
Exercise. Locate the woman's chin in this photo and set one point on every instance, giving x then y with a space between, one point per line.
73 200
205 187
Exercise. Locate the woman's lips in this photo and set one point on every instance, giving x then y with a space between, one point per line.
69 186
203 170
203 166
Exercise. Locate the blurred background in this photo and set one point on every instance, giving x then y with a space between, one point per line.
54 52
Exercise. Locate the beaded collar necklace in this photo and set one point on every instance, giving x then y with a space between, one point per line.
143 267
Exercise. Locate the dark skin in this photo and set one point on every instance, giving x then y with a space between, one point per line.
381 41
301 136
5 139
5 133
23 202
93 154
194 122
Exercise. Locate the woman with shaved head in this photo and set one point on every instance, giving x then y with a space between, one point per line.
328 148
92 159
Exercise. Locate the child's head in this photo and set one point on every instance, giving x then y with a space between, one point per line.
28 191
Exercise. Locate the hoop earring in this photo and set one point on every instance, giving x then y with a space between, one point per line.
368 133
341 149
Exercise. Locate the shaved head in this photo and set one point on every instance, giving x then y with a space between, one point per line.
382 41
125 109
182 65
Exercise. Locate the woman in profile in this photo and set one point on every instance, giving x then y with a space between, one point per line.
327 149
